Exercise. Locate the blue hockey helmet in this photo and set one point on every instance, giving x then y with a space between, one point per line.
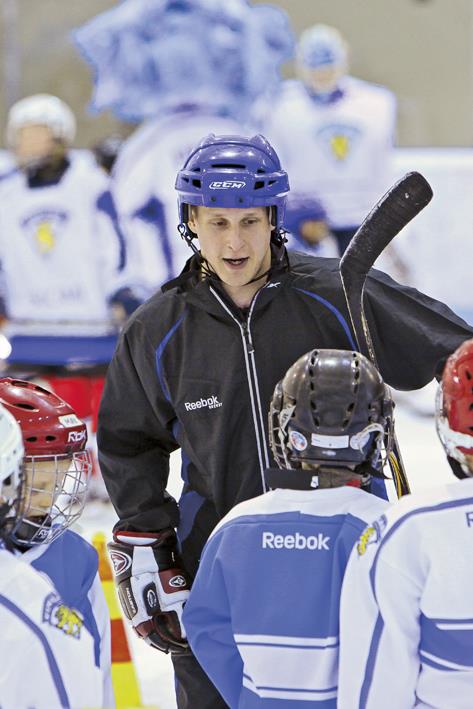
233 171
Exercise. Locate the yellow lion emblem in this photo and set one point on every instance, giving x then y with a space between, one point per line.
68 620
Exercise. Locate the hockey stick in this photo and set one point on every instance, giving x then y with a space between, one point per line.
393 211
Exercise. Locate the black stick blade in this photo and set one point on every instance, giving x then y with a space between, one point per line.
396 209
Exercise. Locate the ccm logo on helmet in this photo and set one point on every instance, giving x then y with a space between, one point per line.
227 185
295 541
75 436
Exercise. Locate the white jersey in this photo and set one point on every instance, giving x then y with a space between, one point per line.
339 150
407 606
47 653
262 617
143 189
61 256
71 564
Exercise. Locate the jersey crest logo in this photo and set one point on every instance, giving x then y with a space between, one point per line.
338 140
43 229
60 616
371 535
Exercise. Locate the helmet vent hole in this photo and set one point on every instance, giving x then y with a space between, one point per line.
31 439
468 374
316 420
197 183
271 182
28 407
232 166
357 375
259 184
313 405
260 171
350 407
186 179
345 423
50 438
471 407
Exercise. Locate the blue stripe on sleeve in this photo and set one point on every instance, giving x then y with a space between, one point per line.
159 353
54 669
336 312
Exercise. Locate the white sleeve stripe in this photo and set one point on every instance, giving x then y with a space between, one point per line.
286 640
444 663
309 695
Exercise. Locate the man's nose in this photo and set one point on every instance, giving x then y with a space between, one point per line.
234 237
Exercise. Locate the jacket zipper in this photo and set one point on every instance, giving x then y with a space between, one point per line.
252 377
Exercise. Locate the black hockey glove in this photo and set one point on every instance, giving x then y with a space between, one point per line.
151 588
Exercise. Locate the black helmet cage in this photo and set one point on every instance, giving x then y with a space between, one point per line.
319 413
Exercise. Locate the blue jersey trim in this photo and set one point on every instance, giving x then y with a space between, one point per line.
106 205
336 312
55 672
159 353
378 629
153 212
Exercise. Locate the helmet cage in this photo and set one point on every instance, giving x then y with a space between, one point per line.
62 499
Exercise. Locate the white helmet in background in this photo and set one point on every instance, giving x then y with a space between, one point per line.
11 460
45 110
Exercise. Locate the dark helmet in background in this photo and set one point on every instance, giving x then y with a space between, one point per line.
331 409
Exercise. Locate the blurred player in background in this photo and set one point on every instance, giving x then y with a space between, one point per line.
56 471
66 284
185 69
262 617
333 132
306 224
54 231
407 607
47 651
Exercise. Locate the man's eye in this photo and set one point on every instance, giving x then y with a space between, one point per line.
250 222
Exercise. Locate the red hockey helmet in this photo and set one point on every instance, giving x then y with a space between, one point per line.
57 466
49 425
454 411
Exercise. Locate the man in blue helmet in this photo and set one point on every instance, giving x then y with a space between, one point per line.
196 366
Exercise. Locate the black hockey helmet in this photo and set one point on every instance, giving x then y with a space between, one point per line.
331 408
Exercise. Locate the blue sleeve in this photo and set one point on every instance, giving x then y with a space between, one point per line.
208 623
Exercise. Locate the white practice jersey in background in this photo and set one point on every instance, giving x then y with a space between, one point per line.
60 255
143 189
71 564
262 617
340 150
407 606
47 653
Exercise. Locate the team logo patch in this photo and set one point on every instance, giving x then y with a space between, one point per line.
338 140
298 441
121 561
178 582
43 229
60 616
371 535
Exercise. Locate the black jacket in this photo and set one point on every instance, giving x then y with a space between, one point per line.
191 371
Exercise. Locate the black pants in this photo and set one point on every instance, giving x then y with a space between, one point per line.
194 690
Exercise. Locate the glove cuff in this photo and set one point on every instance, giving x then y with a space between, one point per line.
143 539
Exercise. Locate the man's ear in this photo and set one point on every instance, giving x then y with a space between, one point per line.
191 220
